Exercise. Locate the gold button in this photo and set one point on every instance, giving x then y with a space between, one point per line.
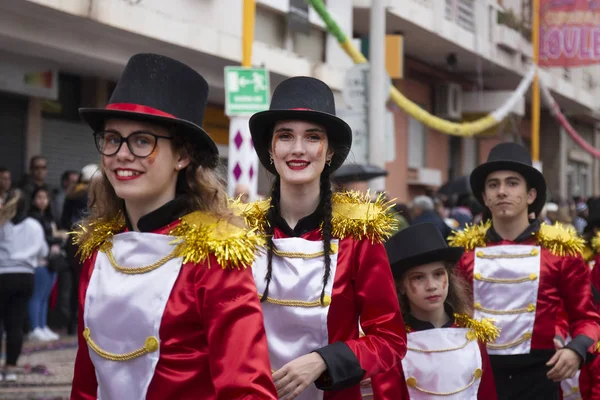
531 308
535 252
471 335
477 276
575 389
478 373
533 276
151 344
334 248
480 253
411 382
478 306
326 300
527 335
86 333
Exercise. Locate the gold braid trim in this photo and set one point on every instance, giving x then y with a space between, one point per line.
471 237
532 277
412 382
201 234
150 346
483 330
107 249
532 253
354 215
560 240
306 256
103 231
526 336
462 346
529 308
299 303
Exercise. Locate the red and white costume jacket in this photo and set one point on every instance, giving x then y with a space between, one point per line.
360 286
153 325
448 363
522 283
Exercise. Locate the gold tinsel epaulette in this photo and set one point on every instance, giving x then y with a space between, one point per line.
483 330
560 240
102 232
355 215
596 243
203 234
471 237
254 214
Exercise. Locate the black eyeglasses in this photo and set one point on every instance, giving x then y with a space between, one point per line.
141 144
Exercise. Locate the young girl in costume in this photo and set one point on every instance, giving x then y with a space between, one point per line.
168 309
446 351
325 266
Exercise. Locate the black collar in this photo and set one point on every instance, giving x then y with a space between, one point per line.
532 229
418 325
304 225
162 216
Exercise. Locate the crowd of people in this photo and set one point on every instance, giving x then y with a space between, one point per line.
311 293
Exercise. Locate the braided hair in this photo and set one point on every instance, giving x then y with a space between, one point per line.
325 203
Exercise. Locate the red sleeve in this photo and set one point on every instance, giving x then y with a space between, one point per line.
464 267
562 324
487 387
589 380
596 273
85 386
238 353
390 385
576 293
384 343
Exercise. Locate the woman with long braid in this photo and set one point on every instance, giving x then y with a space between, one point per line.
325 267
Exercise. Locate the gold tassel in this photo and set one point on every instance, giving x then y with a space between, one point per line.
254 214
560 240
471 237
596 243
201 235
355 215
103 231
483 330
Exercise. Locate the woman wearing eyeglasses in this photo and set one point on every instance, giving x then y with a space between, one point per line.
168 309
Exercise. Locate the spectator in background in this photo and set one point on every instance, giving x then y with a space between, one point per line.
582 215
44 276
77 200
5 184
38 171
68 180
461 213
242 192
423 210
552 213
564 217
22 245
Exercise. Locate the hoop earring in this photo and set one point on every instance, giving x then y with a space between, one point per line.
328 162
271 158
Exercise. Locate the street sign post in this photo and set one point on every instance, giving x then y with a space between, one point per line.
246 90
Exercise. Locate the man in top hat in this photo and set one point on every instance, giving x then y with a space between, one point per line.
521 271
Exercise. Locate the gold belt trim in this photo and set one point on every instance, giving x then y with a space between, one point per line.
293 254
440 350
529 308
412 382
532 277
138 270
150 346
526 336
532 253
299 303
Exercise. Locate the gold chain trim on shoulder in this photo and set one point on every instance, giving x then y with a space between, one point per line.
106 249
526 336
150 346
481 254
532 277
468 340
529 308
412 382
306 256
299 303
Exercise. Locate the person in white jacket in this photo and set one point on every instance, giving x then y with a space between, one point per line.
22 246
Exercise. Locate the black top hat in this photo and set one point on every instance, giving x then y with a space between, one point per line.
418 245
160 90
511 157
593 220
301 98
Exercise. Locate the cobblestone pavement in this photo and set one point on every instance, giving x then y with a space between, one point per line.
46 371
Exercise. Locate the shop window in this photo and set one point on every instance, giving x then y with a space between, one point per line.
416 143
